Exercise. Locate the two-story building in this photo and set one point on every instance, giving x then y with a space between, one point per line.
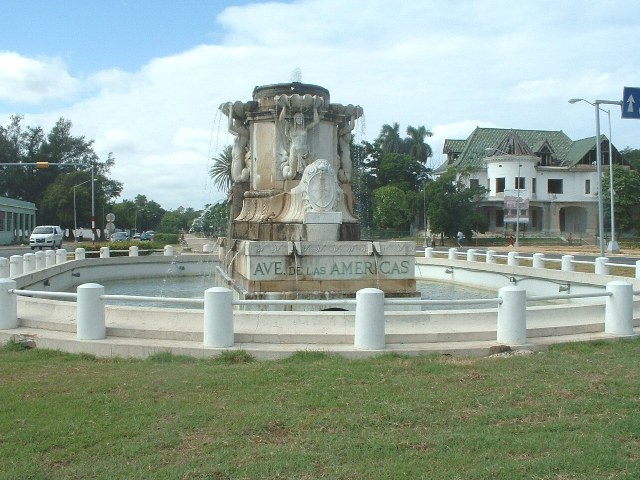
551 177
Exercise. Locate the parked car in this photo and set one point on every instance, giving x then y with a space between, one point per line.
136 236
148 235
46 236
119 237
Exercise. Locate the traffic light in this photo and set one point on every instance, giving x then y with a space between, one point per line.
40 165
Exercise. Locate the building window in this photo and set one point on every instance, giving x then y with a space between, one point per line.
500 185
554 185
474 183
499 218
519 183
587 187
533 185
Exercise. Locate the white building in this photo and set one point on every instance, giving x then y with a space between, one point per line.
553 177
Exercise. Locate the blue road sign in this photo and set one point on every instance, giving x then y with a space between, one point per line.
631 102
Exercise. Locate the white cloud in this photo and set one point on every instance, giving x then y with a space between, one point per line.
31 81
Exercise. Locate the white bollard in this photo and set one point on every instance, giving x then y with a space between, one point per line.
168 250
471 255
637 268
491 256
512 316
218 318
618 316
8 304
80 253
41 261
601 267
453 254
90 312
369 326
50 258
512 259
29 262
567 264
104 252
61 256
133 251
206 248
15 265
537 260
5 271
428 252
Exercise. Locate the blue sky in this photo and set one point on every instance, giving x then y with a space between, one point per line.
144 79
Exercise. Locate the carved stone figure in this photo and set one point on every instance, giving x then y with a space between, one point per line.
240 149
296 133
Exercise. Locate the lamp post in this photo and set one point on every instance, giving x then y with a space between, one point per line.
518 186
596 104
75 222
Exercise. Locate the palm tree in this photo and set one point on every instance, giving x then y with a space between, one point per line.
417 147
389 137
220 172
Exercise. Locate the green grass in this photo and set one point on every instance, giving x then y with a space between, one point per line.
570 413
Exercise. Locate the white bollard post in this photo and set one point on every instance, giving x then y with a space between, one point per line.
537 260
5 271
452 254
491 256
104 252
637 268
369 326
61 256
618 316
41 261
50 258
471 255
601 267
567 264
428 252
15 265
168 250
206 248
29 262
512 316
90 312
8 304
512 259
81 253
218 318
133 251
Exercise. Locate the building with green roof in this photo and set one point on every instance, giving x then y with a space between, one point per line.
552 178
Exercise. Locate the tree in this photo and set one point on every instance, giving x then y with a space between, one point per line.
71 159
390 208
632 157
415 144
213 220
220 172
389 138
452 207
626 198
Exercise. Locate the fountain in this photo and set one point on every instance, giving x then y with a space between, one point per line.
293 232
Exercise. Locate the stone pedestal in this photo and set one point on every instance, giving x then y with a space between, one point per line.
322 270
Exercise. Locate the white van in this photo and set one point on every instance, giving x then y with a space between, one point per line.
46 236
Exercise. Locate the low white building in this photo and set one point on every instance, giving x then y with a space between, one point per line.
553 178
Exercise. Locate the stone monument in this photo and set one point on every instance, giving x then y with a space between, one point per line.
293 232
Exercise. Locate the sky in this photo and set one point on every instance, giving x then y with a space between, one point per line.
144 79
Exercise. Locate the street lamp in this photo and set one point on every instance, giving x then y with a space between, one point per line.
518 186
613 245
75 222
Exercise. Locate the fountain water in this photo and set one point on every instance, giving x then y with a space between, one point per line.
293 231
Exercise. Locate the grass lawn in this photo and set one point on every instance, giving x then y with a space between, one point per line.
570 413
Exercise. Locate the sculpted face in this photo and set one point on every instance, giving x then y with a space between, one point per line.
298 118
